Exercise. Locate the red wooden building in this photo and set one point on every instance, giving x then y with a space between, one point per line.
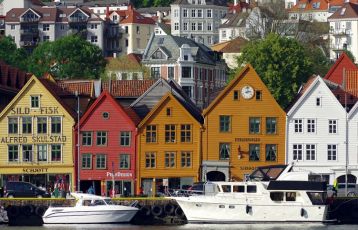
107 147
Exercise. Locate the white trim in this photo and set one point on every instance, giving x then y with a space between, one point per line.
33 11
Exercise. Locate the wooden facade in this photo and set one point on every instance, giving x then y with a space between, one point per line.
37 138
107 147
169 146
244 129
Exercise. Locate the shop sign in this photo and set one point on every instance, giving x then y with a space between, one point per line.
247 139
120 174
34 139
27 110
34 170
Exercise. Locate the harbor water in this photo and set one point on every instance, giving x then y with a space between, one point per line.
281 226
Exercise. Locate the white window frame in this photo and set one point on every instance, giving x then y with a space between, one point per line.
332 152
311 152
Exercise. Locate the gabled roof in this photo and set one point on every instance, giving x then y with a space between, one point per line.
166 97
132 16
353 111
335 73
130 114
233 46
310 5
348 10
12 77
235 20
82 87
127 88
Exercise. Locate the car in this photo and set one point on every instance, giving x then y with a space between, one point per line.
352 190
23 189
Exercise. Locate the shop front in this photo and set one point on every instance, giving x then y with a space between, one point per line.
163 186
123 184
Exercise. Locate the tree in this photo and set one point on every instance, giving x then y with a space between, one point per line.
67 58
12 55
282 64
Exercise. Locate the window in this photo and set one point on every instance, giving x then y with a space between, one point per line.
171 72
176 26
124 161
86 138
254 152
101 161
298 125
311 125
251 189
170 159
12 27
226 188
101 138
169 112
200 26
185 26
271 123
310 152
223 34
176 13
27 153
41 153
271 152
45 38
297 152
332 152
94 39
187 90
55 125
209 26
185 133
332 126
209 13
126 41
186 72
276 196
35 102
238 188
86 161
225 125
185 13
13 126
62 27
150 160
155 72
151 134
45 27
258 95
318 101
158 54
200 13
55 152
193 13
137 30
125 138
105 115
193 26
93 26
255 125
224 149
41 125
27 125
169 133
13 153
236 95
290 196
210 40
126 29
185 159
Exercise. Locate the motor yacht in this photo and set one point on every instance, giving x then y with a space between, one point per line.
89 209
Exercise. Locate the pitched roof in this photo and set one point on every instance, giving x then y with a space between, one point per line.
12 77
127 88
82 87
232 46
335 73
135 58
310 5
235 20
348 10
132 16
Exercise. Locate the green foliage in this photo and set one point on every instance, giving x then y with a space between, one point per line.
12 55
281 62
350 55
67 58
151 3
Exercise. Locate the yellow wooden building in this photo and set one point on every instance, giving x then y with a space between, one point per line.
169 146
244 128
36 138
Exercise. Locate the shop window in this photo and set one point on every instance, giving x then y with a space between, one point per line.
101 138
56 153
170 133
55 125
35 102
170 159
224 149
26 125
225 121
13 153
254 152
41 125
185 133
271 123
151 133
185 159
86 161
86 138
239 188
124 161
254 123
125 138
101 161
150 160
276 196
271 152
13 125
41 153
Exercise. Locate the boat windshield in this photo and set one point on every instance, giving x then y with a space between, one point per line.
317 198
108 201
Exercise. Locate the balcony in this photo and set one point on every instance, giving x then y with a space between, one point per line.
28 43
113 34
340 32
340 47
32 31
77 20
29 20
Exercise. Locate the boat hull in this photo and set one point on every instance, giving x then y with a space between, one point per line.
221 212
92 216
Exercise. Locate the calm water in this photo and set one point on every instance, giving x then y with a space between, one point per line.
189 227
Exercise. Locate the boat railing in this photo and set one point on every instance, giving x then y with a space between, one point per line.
183 192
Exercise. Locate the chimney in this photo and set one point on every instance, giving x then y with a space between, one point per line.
107 12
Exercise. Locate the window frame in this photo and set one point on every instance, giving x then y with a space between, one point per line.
253 129
14 152
226 154
271 125
55 159
40 153
42 126
86 161
151 134
186 133
13 127
170 159
186 159
150 160
125 138
170 133
99 161
124 158
101 138
256 148
87 140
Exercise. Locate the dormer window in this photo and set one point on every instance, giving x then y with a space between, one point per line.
35 102
186 57
158 55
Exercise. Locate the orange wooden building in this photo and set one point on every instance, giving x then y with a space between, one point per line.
244 129
169 146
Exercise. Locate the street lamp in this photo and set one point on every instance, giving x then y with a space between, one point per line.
78 140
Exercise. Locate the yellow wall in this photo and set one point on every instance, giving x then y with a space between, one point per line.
240 111
49 106
179 116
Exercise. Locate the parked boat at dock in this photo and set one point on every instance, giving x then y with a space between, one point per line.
89 209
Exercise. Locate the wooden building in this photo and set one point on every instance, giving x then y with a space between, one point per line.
244 128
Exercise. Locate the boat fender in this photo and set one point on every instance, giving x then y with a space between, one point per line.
303 211
157 210
13 211
145 210
40 210
169 209
248 209
27 210
179 212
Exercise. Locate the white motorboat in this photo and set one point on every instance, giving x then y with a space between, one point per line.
89 209
257 201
